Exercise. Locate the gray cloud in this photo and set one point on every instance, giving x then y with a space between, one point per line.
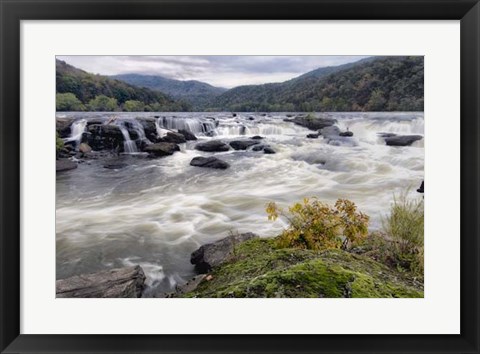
223 71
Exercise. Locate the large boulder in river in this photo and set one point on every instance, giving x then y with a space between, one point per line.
150 128
213 254
63 127
104 137
311 122
243 144
65 165
212 146
402 140
188 135
174 137
120 282
211 162
161 149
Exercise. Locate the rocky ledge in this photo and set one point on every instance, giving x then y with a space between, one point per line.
120 282
247 266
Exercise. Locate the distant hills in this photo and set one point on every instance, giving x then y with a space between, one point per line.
379 84
372 84
79 90
198 94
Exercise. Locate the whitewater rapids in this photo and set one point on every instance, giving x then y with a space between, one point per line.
155 212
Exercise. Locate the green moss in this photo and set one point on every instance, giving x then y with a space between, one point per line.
58 143
258 269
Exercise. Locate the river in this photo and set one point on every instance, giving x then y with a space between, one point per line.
155 212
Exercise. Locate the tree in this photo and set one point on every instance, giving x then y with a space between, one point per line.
133 106
103 103
68 102
376 101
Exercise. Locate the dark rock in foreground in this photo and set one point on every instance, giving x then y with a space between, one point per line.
161 149
120 282
188 135
257 137
312 123
104 137
402 140
312 136
266 149
173 137
421 188
243 144
210 162
65 165
346 134
149 127
63 126
212 146
213 254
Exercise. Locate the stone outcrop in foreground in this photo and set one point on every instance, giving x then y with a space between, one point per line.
120 282
213 254
258 268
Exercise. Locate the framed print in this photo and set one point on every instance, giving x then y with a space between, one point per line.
239 176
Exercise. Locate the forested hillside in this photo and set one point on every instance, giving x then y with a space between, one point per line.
198 94
78 90
381 84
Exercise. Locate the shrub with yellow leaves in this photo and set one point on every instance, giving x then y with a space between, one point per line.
316 225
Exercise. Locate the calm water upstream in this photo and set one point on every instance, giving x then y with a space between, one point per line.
155 212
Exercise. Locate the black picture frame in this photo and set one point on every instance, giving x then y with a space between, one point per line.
14 11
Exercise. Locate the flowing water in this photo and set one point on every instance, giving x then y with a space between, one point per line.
155 212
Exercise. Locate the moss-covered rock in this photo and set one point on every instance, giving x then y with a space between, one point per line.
258 269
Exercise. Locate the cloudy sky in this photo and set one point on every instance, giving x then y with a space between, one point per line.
222 71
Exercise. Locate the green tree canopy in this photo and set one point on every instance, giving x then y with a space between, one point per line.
103 103
68 102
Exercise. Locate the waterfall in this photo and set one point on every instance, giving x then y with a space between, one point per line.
77 129
128 145
193 125
138 127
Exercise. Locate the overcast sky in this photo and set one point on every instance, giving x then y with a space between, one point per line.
222 71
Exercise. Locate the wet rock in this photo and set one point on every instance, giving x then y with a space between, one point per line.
84 148
251 118
212 146
242 144
213 254
312 123
258 147
313 136
63 125
188 135
234 114
268 150
94 121
114 283
257 137
402 140
149 127
173 137
161 149
104 137
190 285
420 189
346 134
65 165
386 135
210 162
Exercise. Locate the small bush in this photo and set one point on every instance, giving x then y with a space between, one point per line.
405 225
316 225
